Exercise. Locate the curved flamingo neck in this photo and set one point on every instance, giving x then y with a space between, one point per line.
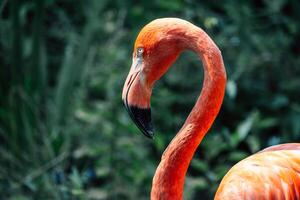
169 177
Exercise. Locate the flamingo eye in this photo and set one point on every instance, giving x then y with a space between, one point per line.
139 51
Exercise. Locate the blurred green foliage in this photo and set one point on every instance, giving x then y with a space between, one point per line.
64 133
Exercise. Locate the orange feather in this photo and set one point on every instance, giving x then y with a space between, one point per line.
272 174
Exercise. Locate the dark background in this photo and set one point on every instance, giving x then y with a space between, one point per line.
64 133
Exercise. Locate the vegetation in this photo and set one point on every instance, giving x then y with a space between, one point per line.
64 133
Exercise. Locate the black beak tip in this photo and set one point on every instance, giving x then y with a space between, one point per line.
142 118
148 133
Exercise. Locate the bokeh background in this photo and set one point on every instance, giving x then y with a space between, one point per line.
64 133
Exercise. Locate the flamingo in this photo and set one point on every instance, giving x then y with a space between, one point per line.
271 174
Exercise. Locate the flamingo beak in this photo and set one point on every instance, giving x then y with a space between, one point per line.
136 99
142 119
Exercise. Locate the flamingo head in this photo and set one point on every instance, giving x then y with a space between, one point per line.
154 51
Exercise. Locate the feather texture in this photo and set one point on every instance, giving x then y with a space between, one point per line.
271 174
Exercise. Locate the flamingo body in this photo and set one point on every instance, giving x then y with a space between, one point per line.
271 174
